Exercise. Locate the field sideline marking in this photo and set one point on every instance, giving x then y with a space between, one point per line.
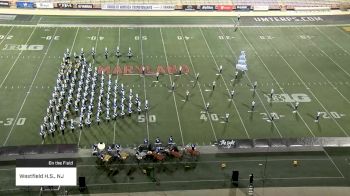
273 77
177 113
30 87
307 88
228 91
335 88
117 81
198 84
201 162
228 25
330 158
215 180
97 38
2 83
144 82
315 45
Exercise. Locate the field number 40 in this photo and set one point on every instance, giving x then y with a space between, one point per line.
213 117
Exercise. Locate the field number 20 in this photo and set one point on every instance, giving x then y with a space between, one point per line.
6 37
331 114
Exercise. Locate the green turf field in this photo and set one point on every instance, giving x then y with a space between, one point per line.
309 64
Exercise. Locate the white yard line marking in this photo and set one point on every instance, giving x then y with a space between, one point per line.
308 60
200 89
114 124
273 77
30 87
39 20
8 73
171 81
302 81
75 38
334 42
330 158
6 36
144 81
239 115
316 46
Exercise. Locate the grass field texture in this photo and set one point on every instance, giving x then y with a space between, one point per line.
307 64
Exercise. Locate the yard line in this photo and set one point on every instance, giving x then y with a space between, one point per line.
2 83
198 84
342 31
339 46
98 33
30 87
330 158
6 35
117 80
315 45
307 88
171 81
75 37
228 91
335 88
144 83
279 133
267 112
273 77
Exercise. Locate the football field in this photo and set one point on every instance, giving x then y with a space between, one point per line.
308 65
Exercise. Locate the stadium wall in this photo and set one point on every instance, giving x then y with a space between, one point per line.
230 6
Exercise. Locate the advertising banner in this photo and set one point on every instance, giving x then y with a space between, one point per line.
4 4
243 7
64 5
21 4
44 5
261 7
207 7
189 7
109 6
224 7
163 7
85 6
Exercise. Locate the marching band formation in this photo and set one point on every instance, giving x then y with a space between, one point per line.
81 95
